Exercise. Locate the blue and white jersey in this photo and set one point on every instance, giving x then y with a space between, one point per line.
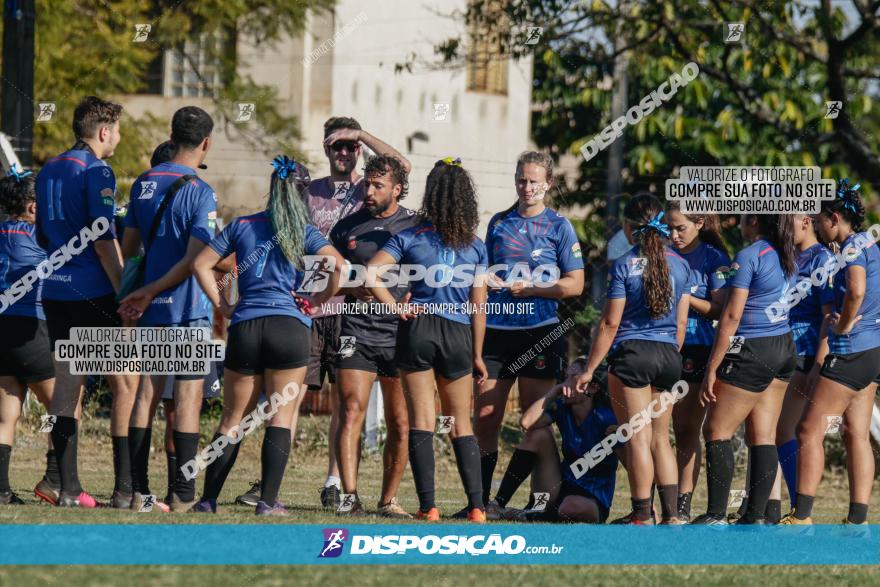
757 269
265 287
805 317
74 190
709 271
859 249
19 255
626 281
513 241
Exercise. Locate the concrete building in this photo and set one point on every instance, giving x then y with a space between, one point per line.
344 64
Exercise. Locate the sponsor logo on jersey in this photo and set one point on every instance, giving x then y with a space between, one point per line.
576 251
537 253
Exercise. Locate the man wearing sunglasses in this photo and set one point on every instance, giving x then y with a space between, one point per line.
330 199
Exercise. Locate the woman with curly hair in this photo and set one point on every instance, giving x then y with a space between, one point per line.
541 264
847 380
440 340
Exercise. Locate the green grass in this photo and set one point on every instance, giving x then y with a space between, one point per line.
300 490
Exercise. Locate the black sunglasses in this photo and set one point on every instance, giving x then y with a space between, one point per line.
339 145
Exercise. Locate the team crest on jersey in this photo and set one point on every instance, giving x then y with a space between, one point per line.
346 346
540 362
106 172
722 272
576 250
734 267
148 190
637 265
536 254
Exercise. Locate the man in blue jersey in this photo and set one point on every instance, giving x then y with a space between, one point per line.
171 296
76 196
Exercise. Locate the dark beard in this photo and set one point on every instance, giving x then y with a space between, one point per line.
378 209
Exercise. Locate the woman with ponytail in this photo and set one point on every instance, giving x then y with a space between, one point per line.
751 362
442 348
269 332
698 241
643 327
847 381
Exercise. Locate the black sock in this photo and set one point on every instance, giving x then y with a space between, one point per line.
803 506
858 513
5 456
64 439
668 500
743 507
276 451
421 461
52 475
139 448
121 464
487 469
719 474
218 470
171 460
467 457
520 466
642 509
773 513
187 445
684 504
764 464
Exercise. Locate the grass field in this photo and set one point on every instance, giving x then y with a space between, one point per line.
300 491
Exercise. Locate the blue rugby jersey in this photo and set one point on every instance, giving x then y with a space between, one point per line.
805 317
191 213
709 270
264 288
861 250
19 255
578 440
73 190
757 269
545 239
422 245
625 281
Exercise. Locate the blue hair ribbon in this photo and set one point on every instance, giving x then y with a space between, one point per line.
283 165
655 224
18 175
847 194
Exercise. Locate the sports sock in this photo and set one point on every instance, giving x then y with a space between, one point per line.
139 449
803 506
719 474
5 456
788 461
421 461
218 470
121 464
333 481
52 475
743 507
773 513
187 445
520 466
275 452
467 457
858 513
764 463
171 460
64 439
684 504
642 509
487 469
668 500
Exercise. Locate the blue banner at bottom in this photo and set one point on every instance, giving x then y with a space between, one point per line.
525 544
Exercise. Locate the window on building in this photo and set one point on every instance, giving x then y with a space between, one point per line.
486 62
195 70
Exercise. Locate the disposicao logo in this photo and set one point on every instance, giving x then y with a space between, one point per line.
334 540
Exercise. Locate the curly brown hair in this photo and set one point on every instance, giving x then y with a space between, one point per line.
657 285
450 204
382 164
91 114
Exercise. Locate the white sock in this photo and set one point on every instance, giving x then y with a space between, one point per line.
332 480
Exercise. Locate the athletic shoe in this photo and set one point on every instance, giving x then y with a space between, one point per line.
138 498
432 515
205 506
461 514
121 501
477 515
672 522
264 509
749 521
250 497
392 509
46 492
83 500
789 520
9 498
708 519
330 497
846 522
733 517
631 519
178 506
357 510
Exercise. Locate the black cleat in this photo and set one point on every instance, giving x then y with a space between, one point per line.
9 498
251 497
120 500
330 498
710 520
748 521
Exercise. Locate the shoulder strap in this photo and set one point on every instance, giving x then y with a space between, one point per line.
169 195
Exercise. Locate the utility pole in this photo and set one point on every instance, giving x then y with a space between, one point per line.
17 88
